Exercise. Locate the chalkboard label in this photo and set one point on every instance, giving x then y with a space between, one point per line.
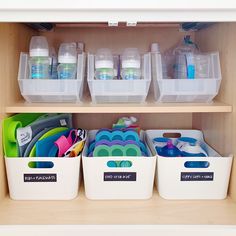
119 176
197 176
40 177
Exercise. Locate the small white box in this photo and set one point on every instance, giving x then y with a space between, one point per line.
186 90
50 90
105 183
119 91
61 182
175 181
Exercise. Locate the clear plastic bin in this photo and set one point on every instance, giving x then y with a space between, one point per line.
188 90
50 90
120 91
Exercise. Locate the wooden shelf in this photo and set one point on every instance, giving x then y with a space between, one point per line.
87 107
83 211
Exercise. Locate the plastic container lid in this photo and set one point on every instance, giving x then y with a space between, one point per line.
131 58
155 48
67 53
39 47
104 59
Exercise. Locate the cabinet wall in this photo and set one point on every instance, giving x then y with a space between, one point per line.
218 127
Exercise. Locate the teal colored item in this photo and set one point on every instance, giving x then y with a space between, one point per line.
117 150
44 146
132 150
34 140
102 151
117 135
125 164
131 135
106 135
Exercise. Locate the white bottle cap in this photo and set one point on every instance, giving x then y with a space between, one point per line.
130 58
104 64
131 64
104 58
155 48
39 47
67 53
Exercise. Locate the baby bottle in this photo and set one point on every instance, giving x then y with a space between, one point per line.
131 64
39 58
104 64
67 58
53 63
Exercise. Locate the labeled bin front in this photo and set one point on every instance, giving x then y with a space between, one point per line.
106 183
180 178
56 179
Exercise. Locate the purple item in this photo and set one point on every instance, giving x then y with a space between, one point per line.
115 142
170 150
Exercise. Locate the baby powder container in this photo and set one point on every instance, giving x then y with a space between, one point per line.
104 64
67 61
39 58
131 64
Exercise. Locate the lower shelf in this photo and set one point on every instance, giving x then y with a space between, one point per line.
81 211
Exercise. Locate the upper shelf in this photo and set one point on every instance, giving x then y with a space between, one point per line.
105 10
88 107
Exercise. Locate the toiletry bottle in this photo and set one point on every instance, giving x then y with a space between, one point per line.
39 58
131 64
104 64
67 58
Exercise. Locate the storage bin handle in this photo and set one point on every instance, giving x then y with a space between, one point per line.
197 164
119 164
41 164
171 135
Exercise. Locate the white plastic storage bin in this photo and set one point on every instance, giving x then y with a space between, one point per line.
102 182
50 90
61 182
119 91
186 90
175 181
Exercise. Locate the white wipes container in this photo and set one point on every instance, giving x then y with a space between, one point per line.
104 64
131 64
191 177
67 59
39 58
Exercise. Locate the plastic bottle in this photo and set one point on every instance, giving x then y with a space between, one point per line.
170 150
131 64
53 63
67 58
104 64
39 58
184 67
